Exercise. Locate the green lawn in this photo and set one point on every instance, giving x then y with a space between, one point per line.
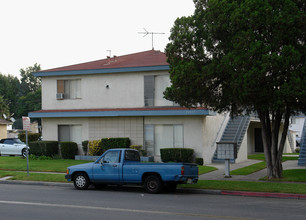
249 186
18 163
261 165
249 169
298 175
206 169
293 156
33 176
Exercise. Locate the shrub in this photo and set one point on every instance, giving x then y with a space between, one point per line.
69 149
95 148
109 143
31 136
199 161
136 147
33 157
44 148
85 147
177 155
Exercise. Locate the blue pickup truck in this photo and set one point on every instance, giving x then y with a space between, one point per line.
123 166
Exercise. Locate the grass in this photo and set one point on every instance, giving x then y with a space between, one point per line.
249 186
33 176
285 157
20 164
291 176
206 169
249 169
261 165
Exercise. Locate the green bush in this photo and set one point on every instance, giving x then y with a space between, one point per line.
136 147
95 148
199 161
177 155
85 147
33 157
31 136
44 148
110 143
69 149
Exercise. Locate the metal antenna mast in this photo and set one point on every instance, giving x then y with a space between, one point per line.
152 33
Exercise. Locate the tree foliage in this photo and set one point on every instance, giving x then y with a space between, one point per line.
243 56
10 91
30 83
4 108
20 97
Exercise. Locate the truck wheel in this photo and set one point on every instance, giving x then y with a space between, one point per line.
153 184
81 181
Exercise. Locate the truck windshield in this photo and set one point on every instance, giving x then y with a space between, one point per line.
131 155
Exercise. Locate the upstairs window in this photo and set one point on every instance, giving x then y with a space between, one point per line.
68 89
154 87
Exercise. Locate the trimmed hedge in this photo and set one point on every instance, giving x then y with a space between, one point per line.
69 150
109 143
177 155
199 161
31 136
44 148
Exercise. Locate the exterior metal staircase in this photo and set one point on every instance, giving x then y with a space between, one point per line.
302 157
234 132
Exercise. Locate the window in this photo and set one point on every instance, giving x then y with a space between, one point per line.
70 133
154 87
69 89
163 136
131 155
111 157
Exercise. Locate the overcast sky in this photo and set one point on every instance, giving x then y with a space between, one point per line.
55 33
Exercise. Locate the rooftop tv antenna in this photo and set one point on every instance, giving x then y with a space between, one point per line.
147 32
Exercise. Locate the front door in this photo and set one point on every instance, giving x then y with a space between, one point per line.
108 169
258 141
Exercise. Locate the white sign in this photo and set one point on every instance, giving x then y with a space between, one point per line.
26 123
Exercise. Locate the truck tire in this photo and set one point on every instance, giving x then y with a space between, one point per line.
81 181
153 184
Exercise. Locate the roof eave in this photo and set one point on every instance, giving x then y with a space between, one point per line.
102 71
75 114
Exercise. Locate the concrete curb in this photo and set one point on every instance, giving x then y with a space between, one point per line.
183 190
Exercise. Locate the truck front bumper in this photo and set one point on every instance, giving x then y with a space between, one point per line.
68 177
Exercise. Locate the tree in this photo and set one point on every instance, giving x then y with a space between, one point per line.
28 103
4 109
30 83
10 90
243 56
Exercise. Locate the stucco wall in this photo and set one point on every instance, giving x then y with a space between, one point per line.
3 131
251 138
193 130
212 131
125 90
131 127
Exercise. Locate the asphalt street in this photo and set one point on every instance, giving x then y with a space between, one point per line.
63 202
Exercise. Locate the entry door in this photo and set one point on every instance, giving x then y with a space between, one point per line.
108 170
258 141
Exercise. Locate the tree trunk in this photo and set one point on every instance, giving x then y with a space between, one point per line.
273 149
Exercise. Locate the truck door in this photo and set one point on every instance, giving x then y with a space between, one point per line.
108 169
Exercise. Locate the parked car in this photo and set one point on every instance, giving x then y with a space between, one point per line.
123 166
12 146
